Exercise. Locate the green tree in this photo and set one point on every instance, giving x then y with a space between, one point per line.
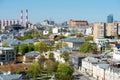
79 35
65 55
5 44
16 47
42 46
34 70
50 66
64 71
86 47
89 38
60 45
23 49
51 57
30 47
59 37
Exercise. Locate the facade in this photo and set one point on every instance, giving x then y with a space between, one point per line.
78 23
116 54
110 18
112 29
89 31
76 59
99 30
7 55
101 69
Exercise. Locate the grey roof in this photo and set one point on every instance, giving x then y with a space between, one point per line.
27 41
65 49
104 66
12 41
6 48
91 59
77 40
10 76
32 54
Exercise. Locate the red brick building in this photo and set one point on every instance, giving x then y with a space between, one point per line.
78 23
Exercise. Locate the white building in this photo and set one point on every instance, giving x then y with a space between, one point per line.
116 54
89 31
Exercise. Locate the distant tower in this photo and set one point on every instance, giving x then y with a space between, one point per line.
21 17
26 17
110 18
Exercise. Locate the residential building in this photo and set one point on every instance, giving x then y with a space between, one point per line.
110 18
111 29
76 59
99 30
73 43
57 56
78 23
87 64
7 55
30 56
89 31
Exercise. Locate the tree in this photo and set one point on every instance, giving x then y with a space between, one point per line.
34 70
64 71
60 45
59 37
65 55
50 66
51 57
5 44
41 61
79 35
16 47
23 49
30 47
89 38
86 47
42 46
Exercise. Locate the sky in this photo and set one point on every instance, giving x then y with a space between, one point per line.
61 10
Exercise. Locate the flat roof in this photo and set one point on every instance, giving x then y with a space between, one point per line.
6 48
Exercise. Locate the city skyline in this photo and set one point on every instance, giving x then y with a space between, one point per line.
61 10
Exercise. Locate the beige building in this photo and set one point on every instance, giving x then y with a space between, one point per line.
99 30
112 29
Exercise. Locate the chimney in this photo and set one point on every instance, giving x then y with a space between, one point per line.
21 17
26 17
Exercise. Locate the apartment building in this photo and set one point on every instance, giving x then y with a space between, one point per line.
99 30
112 29
7 55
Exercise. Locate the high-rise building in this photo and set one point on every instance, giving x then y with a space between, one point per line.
110 18
99 30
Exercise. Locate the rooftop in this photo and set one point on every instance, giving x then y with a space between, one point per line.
6 48
32 54
73 40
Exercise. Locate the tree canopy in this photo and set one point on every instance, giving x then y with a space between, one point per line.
86 47
42 46
64 71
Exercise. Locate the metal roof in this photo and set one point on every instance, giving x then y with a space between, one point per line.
77 40
10 76
32 54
